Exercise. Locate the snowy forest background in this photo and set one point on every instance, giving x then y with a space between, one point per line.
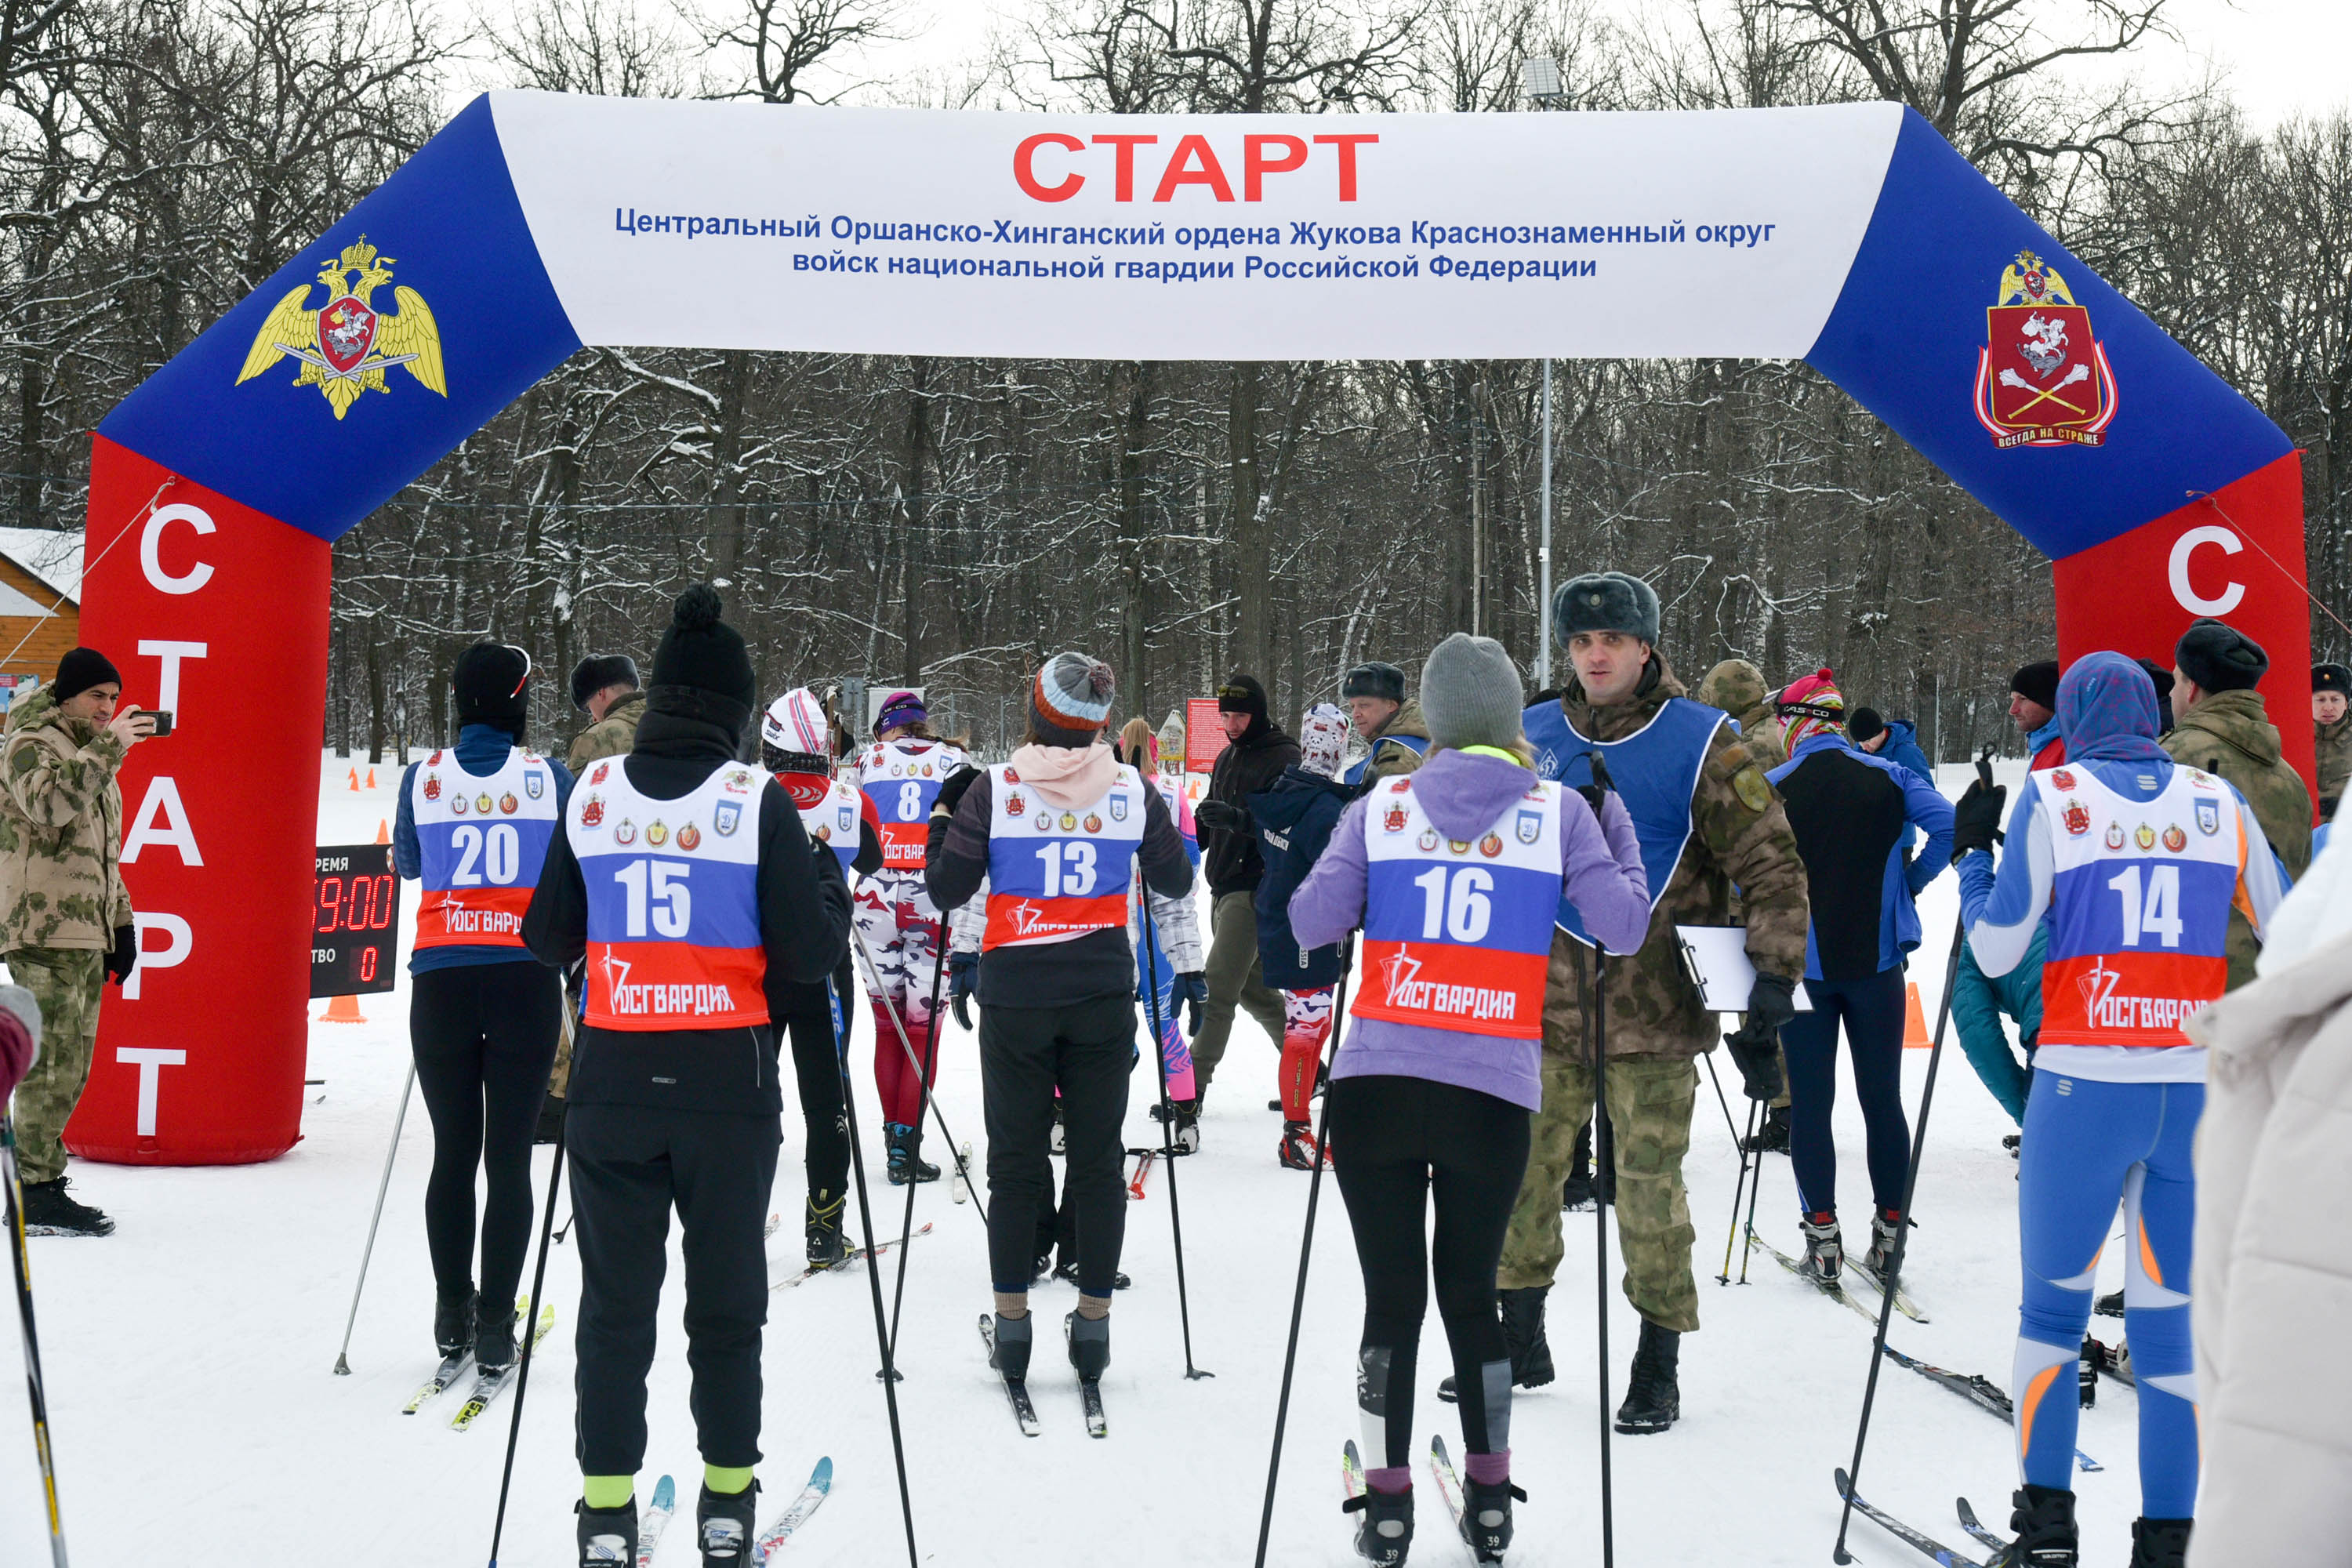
950 521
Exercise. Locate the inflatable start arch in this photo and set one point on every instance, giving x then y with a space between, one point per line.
1852 237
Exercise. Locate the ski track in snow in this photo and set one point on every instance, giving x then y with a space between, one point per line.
188 1358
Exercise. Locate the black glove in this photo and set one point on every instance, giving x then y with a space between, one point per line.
123 956
1221 817
1755 1044
962 779
964 978
1601 785
1193 990
1976 819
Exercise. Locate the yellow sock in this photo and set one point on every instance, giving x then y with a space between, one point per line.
726 1479
607 1492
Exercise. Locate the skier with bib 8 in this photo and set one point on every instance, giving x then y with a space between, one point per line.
684 878
1454 871
2139 862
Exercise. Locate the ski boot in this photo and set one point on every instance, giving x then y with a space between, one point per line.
1772 1138
1886 1224
550 1121
608 1536
2013 1143
1523 1335
823 1247
1576 1193
1067 1273
1487 1517
1013 1336
1824 1248
494 1336
1385 1532
453 1321
1183 1116
906 1144
2044 1522
2109 1306
1298 1150
1089 1342
2159 1542
726 1522
1058 1140
1654 1399
50 1212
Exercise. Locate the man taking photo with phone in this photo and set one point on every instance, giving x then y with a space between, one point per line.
65 917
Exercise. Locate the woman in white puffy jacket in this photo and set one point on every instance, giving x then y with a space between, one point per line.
2274 1251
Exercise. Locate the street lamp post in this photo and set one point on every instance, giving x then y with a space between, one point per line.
1540 82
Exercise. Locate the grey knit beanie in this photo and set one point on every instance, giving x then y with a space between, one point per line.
1605 602
1470 693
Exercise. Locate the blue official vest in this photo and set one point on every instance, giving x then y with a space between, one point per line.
1655 771
1418 746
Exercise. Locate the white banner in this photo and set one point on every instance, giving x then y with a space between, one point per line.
1198 238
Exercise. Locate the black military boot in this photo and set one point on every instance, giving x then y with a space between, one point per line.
2159 1542
608 1536
1523 1335
1654 1399
1384 1534
2044 1522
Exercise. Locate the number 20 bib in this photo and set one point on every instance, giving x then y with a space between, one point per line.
482 841
1056 874
1457 932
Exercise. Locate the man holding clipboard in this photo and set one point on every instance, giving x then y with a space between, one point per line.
1707 819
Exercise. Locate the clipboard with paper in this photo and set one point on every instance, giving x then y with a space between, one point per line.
1716 959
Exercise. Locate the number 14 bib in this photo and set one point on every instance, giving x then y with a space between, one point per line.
1056 874
1457 932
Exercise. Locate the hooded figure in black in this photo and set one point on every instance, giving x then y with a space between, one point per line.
675 1088
1251 762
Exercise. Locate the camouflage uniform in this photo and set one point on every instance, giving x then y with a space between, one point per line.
1737 687
1391 760
2228 733
613 736
61 900
2334 746
1657 1026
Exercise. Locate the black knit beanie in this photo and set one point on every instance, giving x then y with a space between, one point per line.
489 682
1863 724
705 653
597 671
2038 683
1241 694
81 668
2218 656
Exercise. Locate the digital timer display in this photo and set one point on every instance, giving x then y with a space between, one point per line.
355 919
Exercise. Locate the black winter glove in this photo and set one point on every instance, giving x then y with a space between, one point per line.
1221 817
1755 1044
123 956
1602 786
962 779
963 979
1193 990
1976 819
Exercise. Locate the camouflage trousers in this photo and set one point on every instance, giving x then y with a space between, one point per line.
65 981
1650 1105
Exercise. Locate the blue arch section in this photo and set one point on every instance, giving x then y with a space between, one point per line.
449 224
1905 334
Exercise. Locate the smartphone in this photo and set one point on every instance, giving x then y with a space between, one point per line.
163 720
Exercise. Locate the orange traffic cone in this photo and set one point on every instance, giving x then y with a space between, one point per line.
341 1010
355 778
1915 1021
383 831
371 784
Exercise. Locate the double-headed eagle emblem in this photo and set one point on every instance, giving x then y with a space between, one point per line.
347 344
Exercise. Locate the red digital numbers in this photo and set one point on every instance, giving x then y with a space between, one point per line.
367 965
331 902
384 896
364 903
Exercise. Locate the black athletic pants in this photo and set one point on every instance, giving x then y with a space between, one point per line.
1396 1142
816 1059
1872 1010
1087 1049
630 1166
484 1036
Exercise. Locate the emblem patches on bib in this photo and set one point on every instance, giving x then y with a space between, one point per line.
1119 806
689 836
598 777
2144 836
2175 839
2114 835
1458 845
1530 827
1014 805
1010 776
1394 821
457 803
1428 839
2209 817
2076 816
625 832
1094 822
482 803
1491 845
534 784
1069 822
656 833
433 787
2063 778
1044 822
508 805
592 815
726 817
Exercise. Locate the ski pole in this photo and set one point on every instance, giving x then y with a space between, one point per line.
342 1364
35 1389
882 1338
1600 1234
1728 1124
1305 1247
930 1059
874 978
1168 1123
1731 1236
1902 1233
537 1297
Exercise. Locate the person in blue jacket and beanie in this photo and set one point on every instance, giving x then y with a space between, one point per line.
1293 822
1849 811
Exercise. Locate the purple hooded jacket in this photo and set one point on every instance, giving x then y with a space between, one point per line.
1465 796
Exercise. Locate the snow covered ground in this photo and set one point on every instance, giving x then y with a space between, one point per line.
195 1417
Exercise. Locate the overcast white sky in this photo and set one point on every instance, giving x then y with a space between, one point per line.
2282 57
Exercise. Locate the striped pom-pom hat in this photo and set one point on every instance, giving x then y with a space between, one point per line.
1069 701
795 722
1811 705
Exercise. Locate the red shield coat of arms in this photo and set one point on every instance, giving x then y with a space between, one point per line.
346 332
2043 378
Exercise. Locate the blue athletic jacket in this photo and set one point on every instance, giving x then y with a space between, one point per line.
1898 882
